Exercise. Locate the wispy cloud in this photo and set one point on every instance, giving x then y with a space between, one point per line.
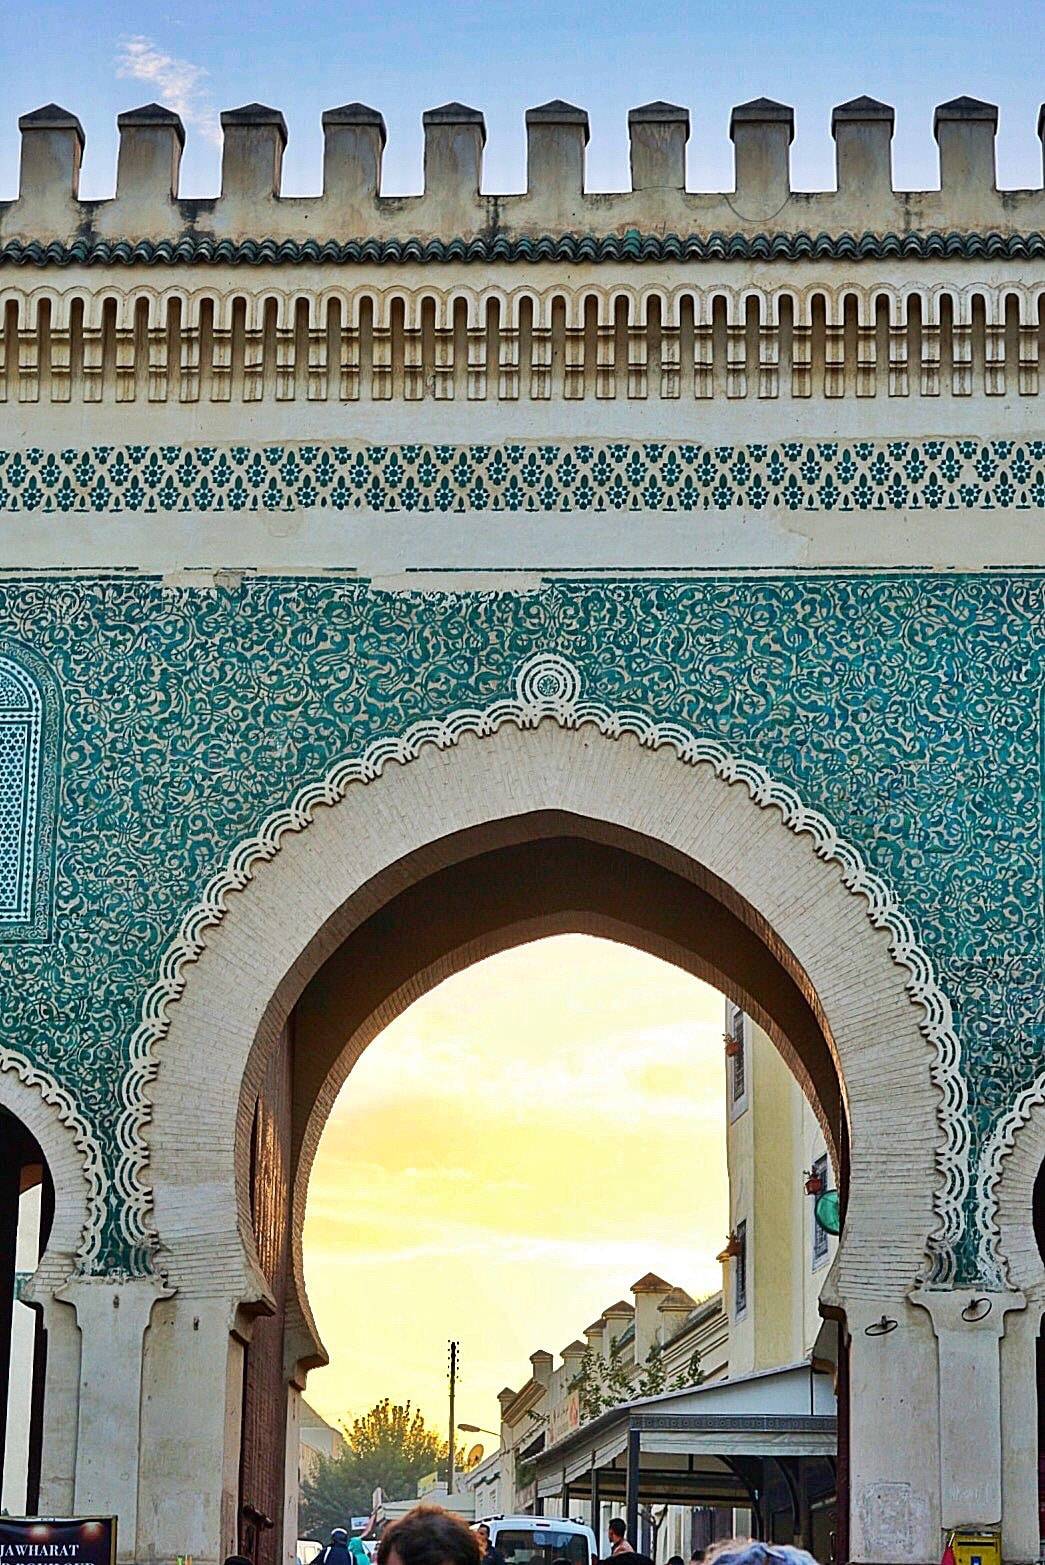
179 84
492 1248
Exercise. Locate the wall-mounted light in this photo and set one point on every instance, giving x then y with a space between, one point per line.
881 1327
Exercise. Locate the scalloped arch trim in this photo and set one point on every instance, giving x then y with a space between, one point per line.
548 688
993 1265
57 1098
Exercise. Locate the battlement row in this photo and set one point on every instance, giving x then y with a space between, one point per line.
147 206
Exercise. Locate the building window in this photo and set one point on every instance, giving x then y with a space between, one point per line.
736 1061
740 1270
20 724
820 1235
30 714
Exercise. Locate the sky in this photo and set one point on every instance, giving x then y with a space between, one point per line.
505 1160
502 56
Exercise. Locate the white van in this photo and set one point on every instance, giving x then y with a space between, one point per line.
540 1540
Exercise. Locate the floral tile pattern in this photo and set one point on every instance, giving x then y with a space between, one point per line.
905 707
798 475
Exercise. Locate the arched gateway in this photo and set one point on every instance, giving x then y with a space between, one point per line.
389 581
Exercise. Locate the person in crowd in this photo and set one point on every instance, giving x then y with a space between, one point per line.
697 1557
619 1538
337 1551
358 1551
676 1559
491 1554
428 1535
750 1551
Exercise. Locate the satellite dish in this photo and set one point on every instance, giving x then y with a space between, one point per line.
474 1456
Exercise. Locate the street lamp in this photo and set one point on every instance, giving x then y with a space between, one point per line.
477 1429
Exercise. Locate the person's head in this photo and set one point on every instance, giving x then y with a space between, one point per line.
483 1531
237 1559
339 1535
751 1551
697 1557
617 1530
428 1535
676 1559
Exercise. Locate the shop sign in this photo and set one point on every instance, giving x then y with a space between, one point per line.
43 1540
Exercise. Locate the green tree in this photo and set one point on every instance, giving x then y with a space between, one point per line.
390 1448
618 1384
653 1378
587 1382
692 1375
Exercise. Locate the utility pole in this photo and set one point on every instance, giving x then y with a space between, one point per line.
455 1352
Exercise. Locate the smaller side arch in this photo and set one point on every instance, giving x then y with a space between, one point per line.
74 1160
74 1163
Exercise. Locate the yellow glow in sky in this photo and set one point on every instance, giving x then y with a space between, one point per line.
505 1160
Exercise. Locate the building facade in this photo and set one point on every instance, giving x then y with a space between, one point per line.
388 580
662 1341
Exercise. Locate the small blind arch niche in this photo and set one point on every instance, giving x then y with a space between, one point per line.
30 716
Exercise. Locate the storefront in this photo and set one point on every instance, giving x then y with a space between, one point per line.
765 1443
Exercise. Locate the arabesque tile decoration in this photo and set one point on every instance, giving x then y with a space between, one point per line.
797 475
904 707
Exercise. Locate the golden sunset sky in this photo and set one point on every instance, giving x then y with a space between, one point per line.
506 1159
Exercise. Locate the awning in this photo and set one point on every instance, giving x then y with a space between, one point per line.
693 1446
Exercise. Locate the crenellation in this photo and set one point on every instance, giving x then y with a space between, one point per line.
762 132
255 138
965 130
455 136
557 136
151 143
657 135
863 135
354 139
49 171
453 207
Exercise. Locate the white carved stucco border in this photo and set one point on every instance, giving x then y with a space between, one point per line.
548 688
993 1262
64 1110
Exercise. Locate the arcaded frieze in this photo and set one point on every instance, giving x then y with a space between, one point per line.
247 338
554 218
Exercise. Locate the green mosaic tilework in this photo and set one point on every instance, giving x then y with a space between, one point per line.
906 708
854 476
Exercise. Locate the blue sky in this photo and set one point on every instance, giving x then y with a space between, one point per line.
501 56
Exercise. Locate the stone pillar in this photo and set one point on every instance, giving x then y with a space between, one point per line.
10 1186
112 1317
1019 1445
61 1405
192 1402
894 1439
969 1326
292 1476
